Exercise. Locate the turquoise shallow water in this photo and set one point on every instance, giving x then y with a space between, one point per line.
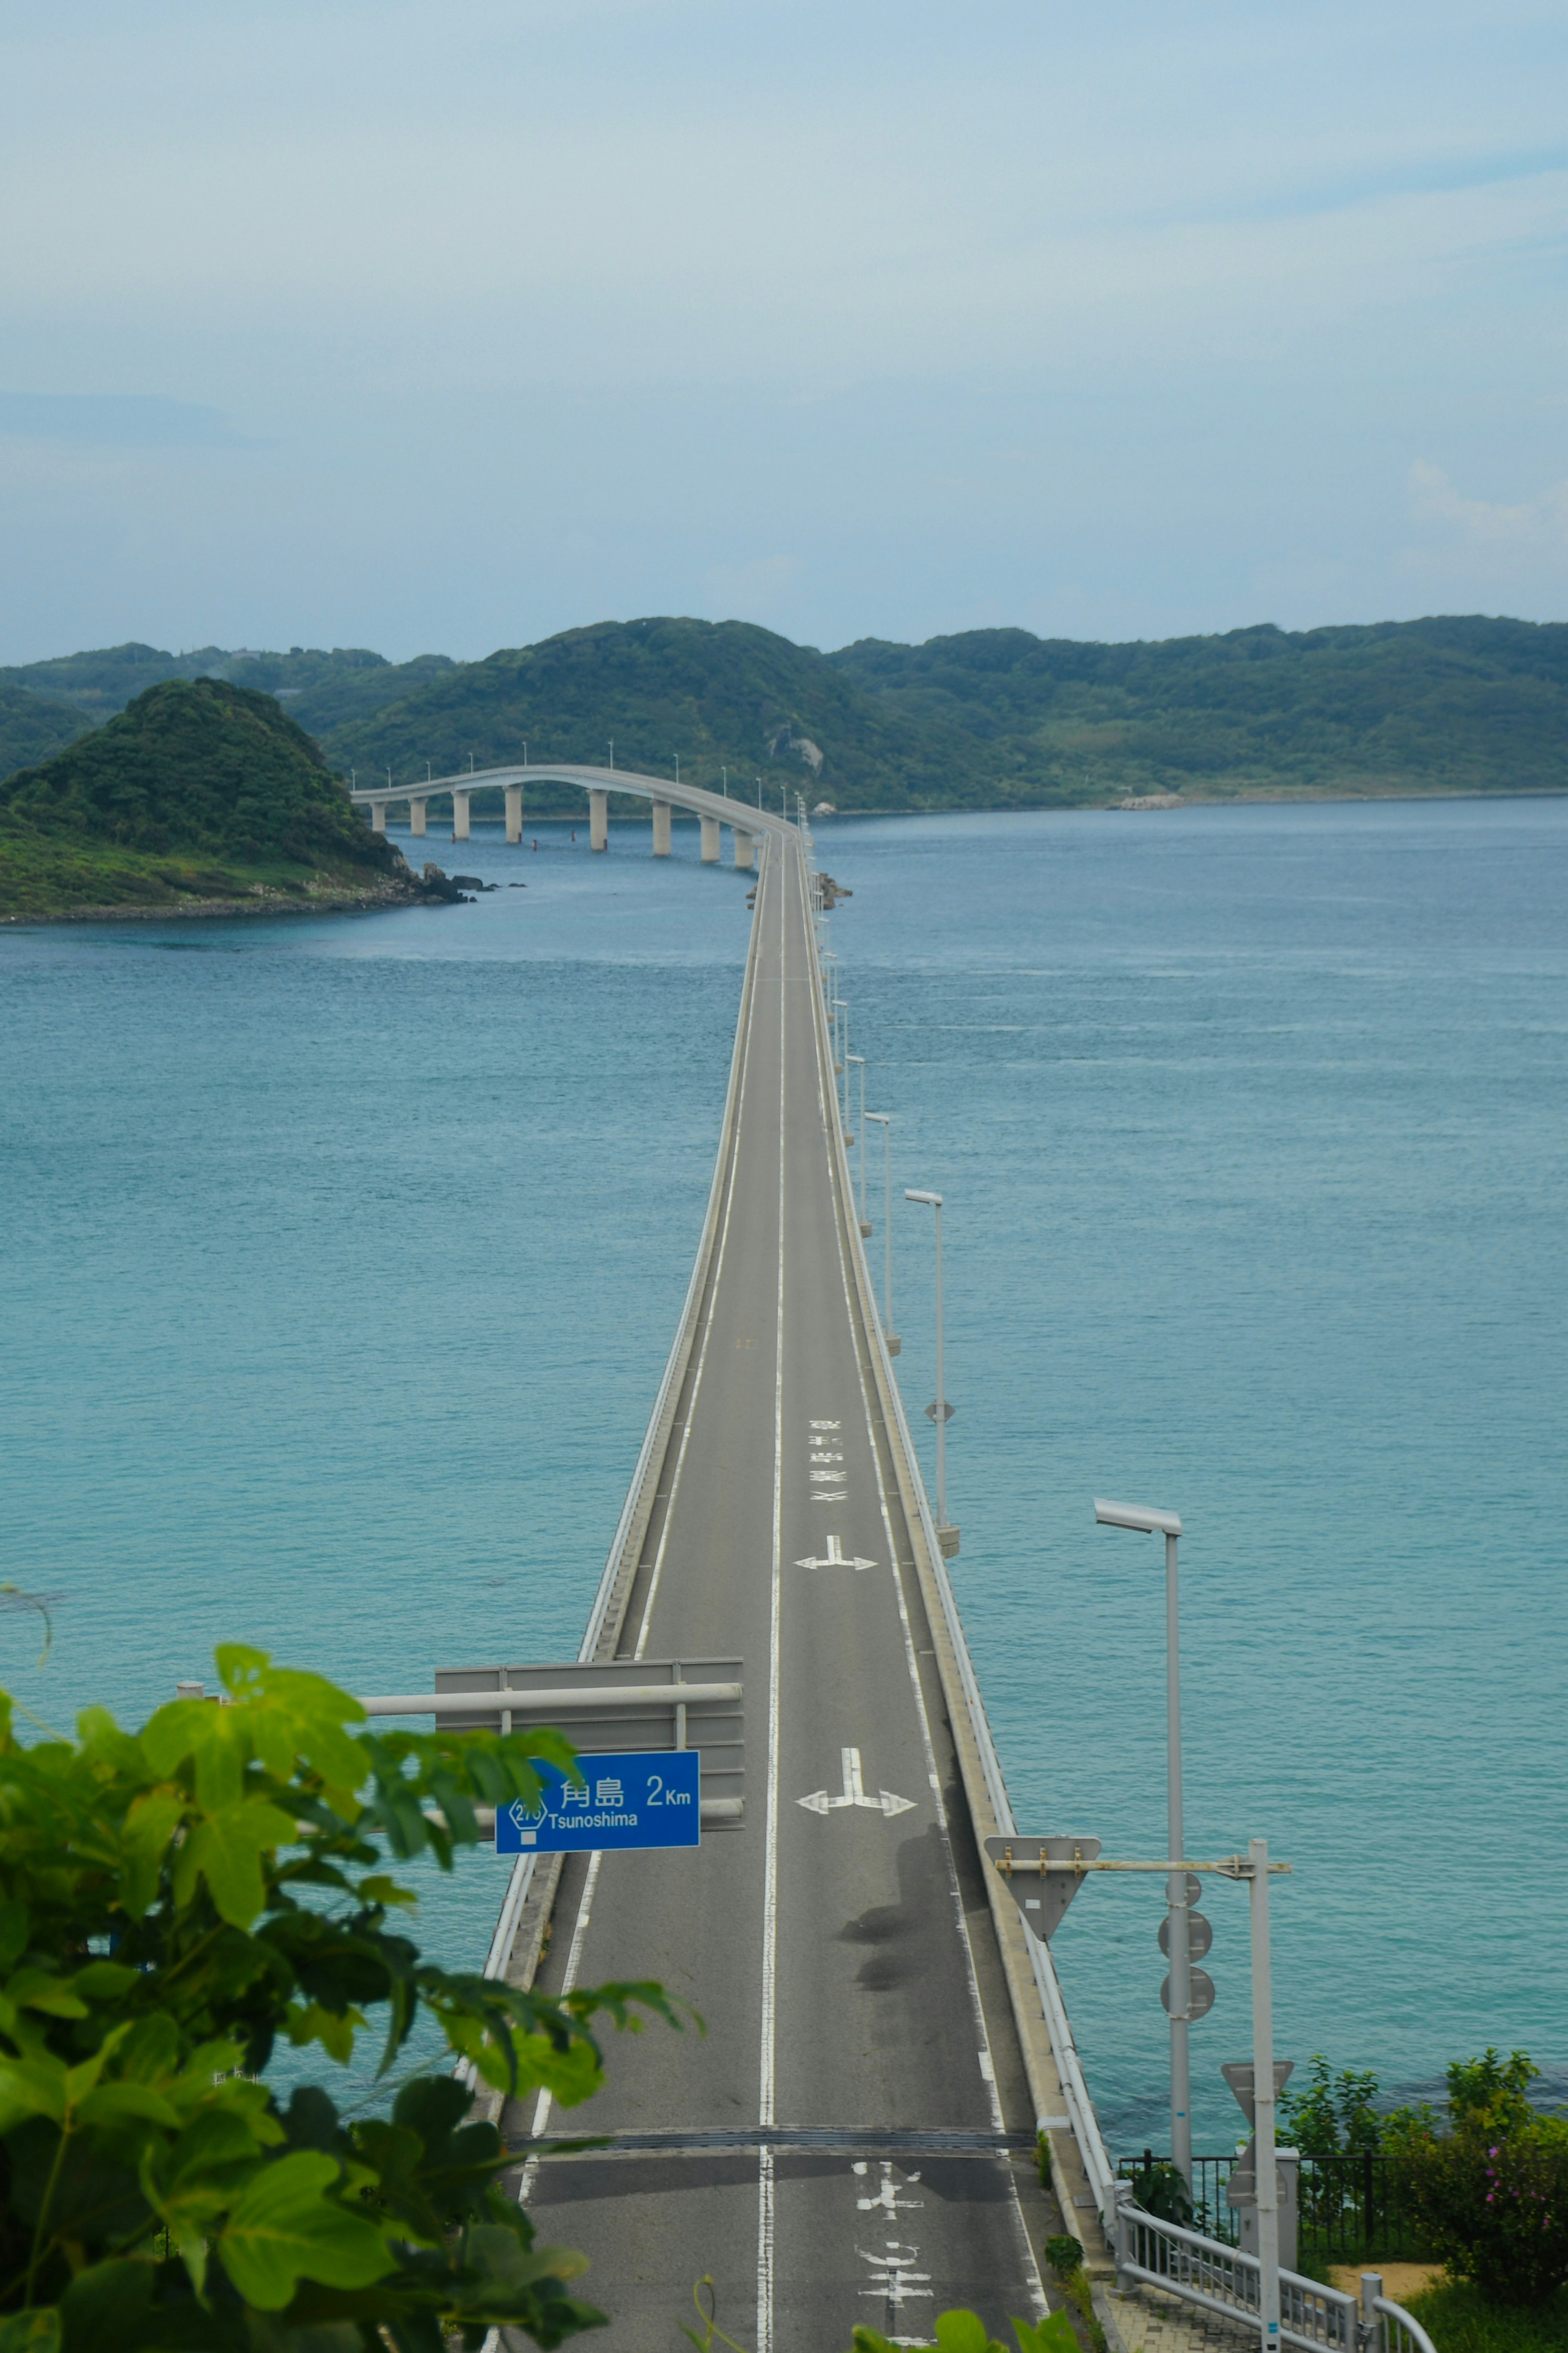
341 1258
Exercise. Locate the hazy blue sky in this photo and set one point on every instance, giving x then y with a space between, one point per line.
446 327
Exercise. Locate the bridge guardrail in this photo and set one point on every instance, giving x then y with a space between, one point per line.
1099 2170
1225 2280
612 1580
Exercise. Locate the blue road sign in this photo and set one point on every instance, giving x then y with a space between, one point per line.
629 1797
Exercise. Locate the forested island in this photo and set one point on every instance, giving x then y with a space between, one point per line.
199 796
988 718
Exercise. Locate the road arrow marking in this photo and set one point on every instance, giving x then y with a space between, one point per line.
837 1557
884 1802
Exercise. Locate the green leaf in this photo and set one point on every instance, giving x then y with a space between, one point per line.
1052 2335
114 2103
225 1850
32 2087
13 1932
964 2332
285 2229
30 2332
865 2340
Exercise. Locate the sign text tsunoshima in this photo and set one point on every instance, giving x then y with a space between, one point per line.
629 1798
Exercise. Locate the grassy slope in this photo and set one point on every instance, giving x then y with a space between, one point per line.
719 693
199 790
1459 2320
1447 704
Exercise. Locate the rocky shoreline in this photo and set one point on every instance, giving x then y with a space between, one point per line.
432 889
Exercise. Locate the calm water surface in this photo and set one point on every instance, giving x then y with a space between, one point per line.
341 1258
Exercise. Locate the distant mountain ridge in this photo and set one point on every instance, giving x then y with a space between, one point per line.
989 718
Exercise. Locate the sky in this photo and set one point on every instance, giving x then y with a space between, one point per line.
444 327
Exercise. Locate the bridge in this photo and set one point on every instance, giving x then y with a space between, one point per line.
715 811
854 2136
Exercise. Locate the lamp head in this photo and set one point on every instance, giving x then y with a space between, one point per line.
1134 1515
929 1200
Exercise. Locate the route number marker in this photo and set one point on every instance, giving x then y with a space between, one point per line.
884 1802
627 1798
835 1558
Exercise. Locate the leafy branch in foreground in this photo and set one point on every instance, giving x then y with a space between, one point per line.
172 1903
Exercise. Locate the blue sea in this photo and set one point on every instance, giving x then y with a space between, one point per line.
341 1256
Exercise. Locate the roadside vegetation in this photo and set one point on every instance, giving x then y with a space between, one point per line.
177 1906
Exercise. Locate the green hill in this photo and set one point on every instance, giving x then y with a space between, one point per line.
320 689
32 727
1464 704
720 694
199 792
991 719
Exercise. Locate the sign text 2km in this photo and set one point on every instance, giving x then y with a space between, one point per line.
629 1799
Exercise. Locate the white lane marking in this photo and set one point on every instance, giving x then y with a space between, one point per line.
955 1893
819 1802
887 2198
573 1962
713 1288
897 2283
837 1557
766 2116
986 2069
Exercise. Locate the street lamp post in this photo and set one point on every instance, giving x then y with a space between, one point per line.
865 1226
940 1413
884 1121
1167 1524
841 1056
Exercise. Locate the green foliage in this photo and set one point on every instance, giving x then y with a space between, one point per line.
1461 2319
966 2332
720 694
1160 2189
174 1905
32 728
1489 2194
1064 2255
1457 704
991 719
196 789
1330 2115
320 688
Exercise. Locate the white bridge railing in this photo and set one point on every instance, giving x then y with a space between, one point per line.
1225 2280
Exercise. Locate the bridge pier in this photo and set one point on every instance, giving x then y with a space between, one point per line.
598 819
416 817
746 852
459 815
709 842
378 816
514 813
661 829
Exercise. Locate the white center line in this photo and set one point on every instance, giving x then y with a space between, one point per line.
766 2116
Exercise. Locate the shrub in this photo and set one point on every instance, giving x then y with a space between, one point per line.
1491 2194
175 1902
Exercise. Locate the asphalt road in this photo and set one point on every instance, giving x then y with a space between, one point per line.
832 2149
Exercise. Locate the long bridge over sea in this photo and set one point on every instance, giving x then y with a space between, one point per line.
749 827
856 2133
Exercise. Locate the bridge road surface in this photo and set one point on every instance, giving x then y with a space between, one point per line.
829 2151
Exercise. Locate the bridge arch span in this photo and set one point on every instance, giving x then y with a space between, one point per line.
749 826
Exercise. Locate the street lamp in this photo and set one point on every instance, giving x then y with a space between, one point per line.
865 1225
1177 1930
841 1054
884 1121
940 1413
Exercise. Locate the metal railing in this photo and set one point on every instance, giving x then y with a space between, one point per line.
1224 2280
1385 2326
1350 2206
